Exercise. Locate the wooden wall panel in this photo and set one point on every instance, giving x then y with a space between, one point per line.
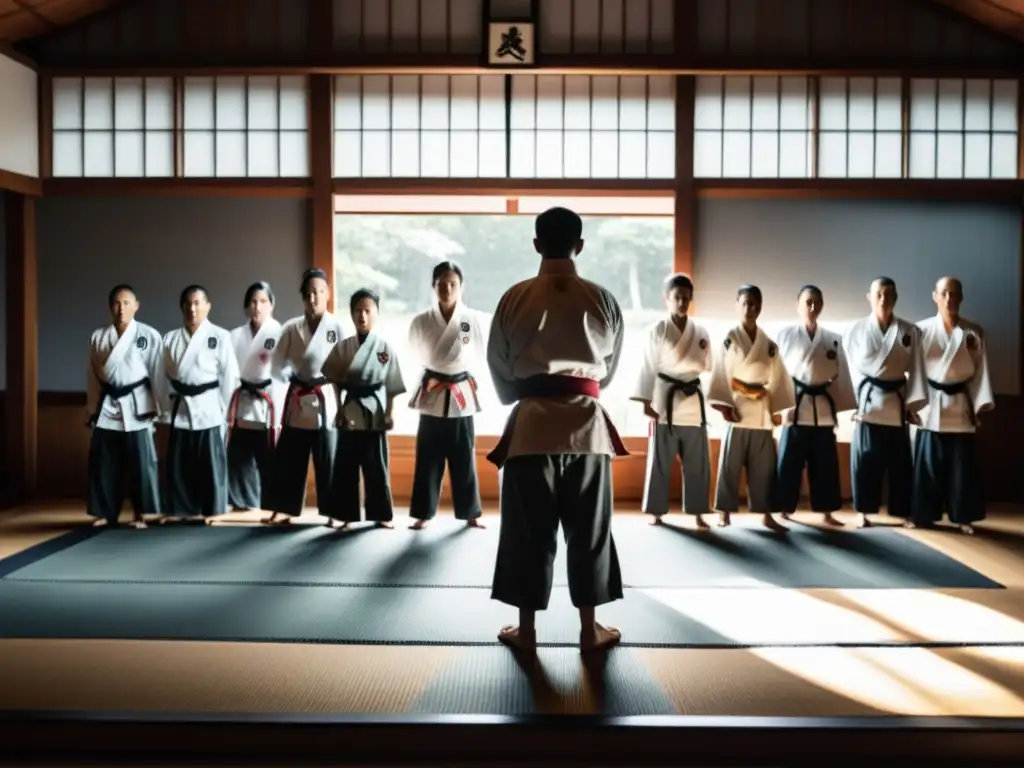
64 447
899 31
408 26
606 27
164 32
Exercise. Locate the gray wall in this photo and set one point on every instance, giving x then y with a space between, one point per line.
3 291
158 245
841 245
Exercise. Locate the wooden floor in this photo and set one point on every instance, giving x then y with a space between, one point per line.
798 682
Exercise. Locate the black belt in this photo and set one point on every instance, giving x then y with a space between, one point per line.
182 390
116 393
254 387
957 388
297 388
357 393
687 389
813 391
885 385
446 378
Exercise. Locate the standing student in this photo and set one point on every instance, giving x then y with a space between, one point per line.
254 414
815 358
678 352
947 473
749 387
125 360
449 340
310 405
365 368
201 376
888 375
554 343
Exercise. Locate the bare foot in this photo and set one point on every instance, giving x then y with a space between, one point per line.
139 524
787 515
769 522
723 520
329 523
474 522
601 639
419 525
967 529
829 520
910 524
862 521
100 523
209 520
343 526
275 519
654 520
385 524
520 639
700 524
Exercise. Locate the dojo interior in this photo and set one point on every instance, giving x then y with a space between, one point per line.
777 142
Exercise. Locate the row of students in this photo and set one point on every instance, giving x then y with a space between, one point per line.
891 373
248 408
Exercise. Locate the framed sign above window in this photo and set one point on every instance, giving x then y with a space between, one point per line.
511 44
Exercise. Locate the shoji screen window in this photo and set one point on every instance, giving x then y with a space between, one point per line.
419 126
860 124
246 126
963 129
105 127
752 127
592 127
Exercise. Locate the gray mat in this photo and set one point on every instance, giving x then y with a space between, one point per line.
449 555
368 615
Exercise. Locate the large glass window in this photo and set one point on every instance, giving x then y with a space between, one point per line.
629 249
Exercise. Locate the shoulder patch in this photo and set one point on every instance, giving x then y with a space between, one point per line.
772 349
835 343
268 344
332 337
382 357
831 354
906 340
728 342
212 342
142 342
703 343
464 326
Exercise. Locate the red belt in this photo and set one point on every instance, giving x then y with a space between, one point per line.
298 391
263 395
550 386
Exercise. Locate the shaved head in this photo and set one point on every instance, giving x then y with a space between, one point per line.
948 295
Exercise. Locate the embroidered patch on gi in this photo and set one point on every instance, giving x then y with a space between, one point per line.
831 354
703 344
465 327
211 343
268 344
906 340
465 339
835 344
382 358
972 340
771 350
728 342
332 337
142 342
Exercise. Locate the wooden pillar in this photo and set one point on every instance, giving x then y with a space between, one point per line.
321 112
685 33
21 417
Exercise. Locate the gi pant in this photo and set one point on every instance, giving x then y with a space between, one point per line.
753 450
878 451
113 458
947 476
690 444
815 448
537 493
197 473
439 441
291 468
249 468
366 452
